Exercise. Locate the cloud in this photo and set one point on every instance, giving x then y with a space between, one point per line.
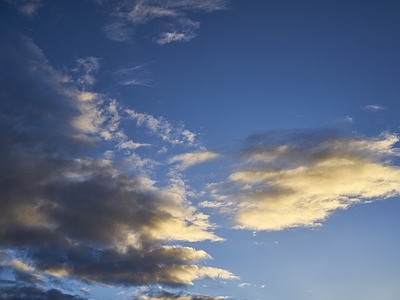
182 31
131 145
137 75
187 160
28 8
34 293
170 16
165 295
118 31
163 129
298 179
68 214
374 107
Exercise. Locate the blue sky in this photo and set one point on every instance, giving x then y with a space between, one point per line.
199 150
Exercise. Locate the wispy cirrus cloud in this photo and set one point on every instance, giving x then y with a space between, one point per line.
374 107
68 214
181 31
169 15
136 75
301 178
28 8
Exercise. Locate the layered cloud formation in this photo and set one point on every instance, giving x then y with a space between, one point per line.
68 214
292 179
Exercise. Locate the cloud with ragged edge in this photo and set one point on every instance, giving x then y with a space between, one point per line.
28 8
298 179
165 295
169 16
36 293
70 215
176 135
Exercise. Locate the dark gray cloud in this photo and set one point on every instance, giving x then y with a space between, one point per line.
33 293
165 295
67 213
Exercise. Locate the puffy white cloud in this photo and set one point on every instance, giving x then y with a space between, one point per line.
303 179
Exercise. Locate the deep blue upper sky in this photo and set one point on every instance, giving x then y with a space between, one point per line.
140 138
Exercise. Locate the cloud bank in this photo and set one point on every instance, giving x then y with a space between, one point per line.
298 179
164 295
68 214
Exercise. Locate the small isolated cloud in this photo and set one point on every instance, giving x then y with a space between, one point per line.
131 145
374 107
347 119
292 179
28 8
183 31
187 160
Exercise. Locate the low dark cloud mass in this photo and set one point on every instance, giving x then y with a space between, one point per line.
165 295
68 214
33 293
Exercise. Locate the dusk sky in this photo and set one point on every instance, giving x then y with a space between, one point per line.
199 150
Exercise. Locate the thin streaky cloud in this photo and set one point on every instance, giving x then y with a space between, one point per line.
182 31
187 160
170 15
137 75
118 31
374 107
131 145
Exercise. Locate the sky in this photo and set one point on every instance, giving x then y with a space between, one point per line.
199 150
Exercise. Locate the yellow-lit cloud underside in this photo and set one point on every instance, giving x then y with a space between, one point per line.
291 186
